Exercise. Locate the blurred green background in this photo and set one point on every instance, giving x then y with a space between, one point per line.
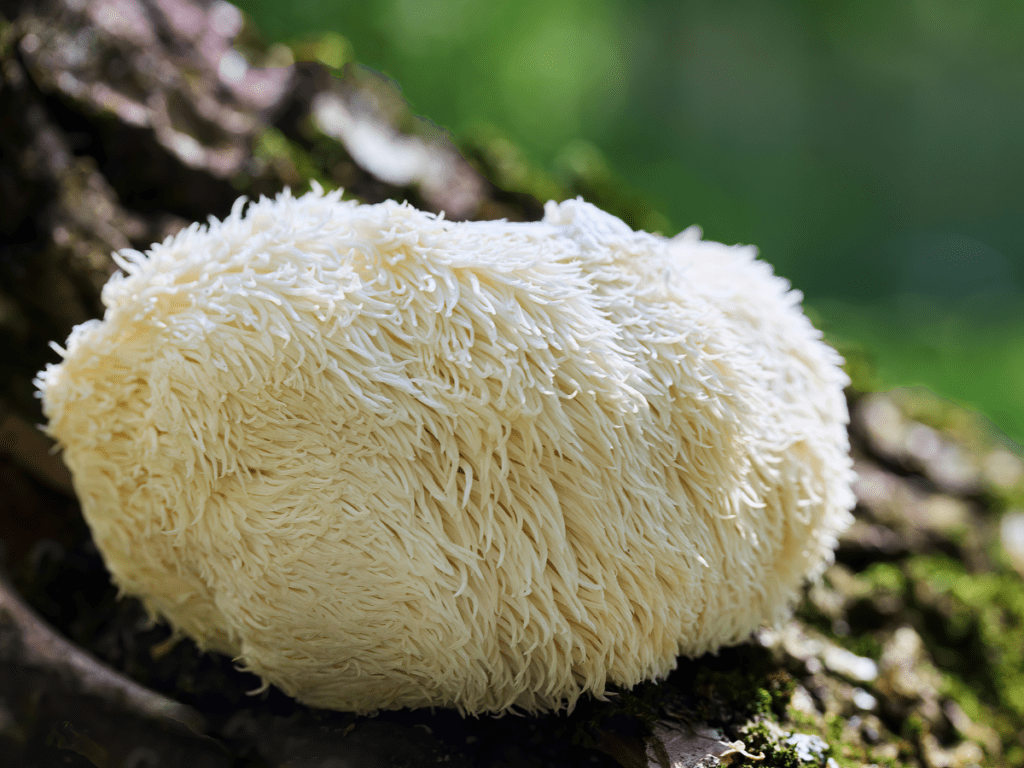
872 150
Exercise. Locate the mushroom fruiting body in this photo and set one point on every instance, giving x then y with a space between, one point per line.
386 460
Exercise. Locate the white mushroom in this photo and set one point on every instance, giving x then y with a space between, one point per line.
387 460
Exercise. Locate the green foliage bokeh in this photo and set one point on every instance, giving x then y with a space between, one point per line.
871 150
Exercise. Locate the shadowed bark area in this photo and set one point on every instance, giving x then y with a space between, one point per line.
122 121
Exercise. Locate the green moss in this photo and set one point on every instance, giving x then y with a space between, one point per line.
643 702
329 48
834 729
759 739
845 754
867 645
803 721
885 576
504 163
741 691
979 616
954 688
914 727
293 164
581 168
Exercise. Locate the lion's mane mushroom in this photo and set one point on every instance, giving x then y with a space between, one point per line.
387 460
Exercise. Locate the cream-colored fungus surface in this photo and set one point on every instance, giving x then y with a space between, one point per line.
387 460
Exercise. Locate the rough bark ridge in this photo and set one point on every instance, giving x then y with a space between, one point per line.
123 120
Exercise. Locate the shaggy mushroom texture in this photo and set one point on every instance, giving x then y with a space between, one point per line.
386 460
